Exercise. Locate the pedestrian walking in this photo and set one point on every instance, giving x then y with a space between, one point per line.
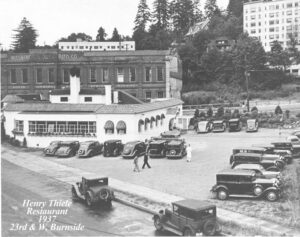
189 153
136 164
146 157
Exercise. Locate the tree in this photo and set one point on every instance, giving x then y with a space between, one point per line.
210 112
75 36
220 112
211 9
278 57
25 38
115 35
278 110
161 14
142 17
101 35
235 8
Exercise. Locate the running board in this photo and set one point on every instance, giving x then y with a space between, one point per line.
244 196
172 230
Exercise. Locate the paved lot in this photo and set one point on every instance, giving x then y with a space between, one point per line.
210 154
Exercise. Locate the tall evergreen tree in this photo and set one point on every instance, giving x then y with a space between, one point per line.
211 9
142 17
101 35
161 14
25 38
115 35
235 8
198 15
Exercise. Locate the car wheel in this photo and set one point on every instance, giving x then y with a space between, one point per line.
104 194
115 152
74 194
157 223
257 190
272 196
222 194
273 168
188 232
209 228
88 199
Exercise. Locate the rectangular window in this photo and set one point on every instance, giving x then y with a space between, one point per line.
105 75
289 5
148 94
92 127
148 74
160 94
253 24
25 75
288 13
88 99
39 75
51 75
160 74
13 76
63 99
93 75
66 77
120 74
32 126
19 125
132 74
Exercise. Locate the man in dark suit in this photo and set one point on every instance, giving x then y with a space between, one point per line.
146 157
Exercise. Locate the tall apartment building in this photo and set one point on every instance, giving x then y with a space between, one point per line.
271 20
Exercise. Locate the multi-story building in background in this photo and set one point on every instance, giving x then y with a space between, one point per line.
145 74
271 20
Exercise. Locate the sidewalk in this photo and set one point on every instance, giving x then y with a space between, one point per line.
70 175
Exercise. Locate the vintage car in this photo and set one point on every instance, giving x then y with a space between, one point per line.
296 133
234 125
289 146
89 149
260 171
67 149
188 217
52 148
269 164
237 182
92 191
157 148
176 149
219 126
252 125
204 126
170 134
133 149
270 149
112 148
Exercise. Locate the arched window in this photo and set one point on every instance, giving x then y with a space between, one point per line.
162 117
147 121
121 127
141 123
109 127
157 119
152 122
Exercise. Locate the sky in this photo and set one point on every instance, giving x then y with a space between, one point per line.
54 19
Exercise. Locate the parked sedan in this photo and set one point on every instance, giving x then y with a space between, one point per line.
259 170
68 149
219 126
89 149
234 125
52 148
133 149
204 126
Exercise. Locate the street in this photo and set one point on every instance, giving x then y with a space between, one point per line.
19 185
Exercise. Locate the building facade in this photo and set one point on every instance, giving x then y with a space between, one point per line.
145 74
270 20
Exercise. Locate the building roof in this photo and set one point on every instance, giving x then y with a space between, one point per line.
236 172
21 98
93 108
193 204
83 91
198 27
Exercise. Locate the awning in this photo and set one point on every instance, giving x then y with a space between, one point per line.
141 122
121 125
157 117
162 116
109 125
152 119
147 120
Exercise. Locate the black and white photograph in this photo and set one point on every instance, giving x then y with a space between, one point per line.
150 117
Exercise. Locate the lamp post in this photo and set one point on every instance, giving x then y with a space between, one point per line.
247 75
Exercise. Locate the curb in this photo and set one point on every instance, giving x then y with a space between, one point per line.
136 206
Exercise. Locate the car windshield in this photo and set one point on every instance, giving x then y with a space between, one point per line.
202 124
251 122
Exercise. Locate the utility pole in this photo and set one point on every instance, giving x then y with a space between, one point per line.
247 76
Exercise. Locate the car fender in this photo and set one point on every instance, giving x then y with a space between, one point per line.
218 187
270 189
161 215
77 191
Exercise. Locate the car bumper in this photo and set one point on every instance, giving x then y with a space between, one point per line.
130 156
219 130
62 155
174 156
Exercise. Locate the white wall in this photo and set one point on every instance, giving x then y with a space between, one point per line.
96 99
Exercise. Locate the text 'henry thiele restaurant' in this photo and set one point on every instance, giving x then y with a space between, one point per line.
85 114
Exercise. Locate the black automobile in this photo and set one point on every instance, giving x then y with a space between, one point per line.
286 154
52 148
133 149
171 134
287 147
89 149
67 149
219 126
112 148
176 149
157 148
234 125
238 182
254 158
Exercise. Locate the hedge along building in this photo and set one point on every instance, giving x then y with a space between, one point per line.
145 74
76 119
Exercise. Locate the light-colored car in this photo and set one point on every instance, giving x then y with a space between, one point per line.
252 125
204 126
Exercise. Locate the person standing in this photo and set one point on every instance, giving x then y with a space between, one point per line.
146 157
136 164
189 153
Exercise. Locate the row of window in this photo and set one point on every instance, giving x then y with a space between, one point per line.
273 15
273 7
97 47
38 75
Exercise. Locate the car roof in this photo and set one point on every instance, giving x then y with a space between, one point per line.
236 172
250 148
234 120
175 142
254 120
248 154
193 204
93 177
88 142
112 141
157 141
133 142
248 166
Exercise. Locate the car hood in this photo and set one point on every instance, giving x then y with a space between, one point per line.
63 149
265 181
126 151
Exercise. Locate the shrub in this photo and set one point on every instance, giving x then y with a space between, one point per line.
220 112
278 110
210 112
254 109
197 114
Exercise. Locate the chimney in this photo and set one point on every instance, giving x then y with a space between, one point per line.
74 85
108 94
